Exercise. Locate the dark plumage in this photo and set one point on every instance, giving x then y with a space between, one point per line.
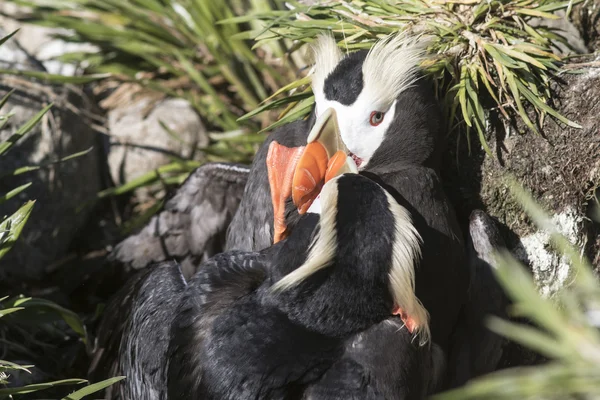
404 159
234 336
135 331
479 350
382 363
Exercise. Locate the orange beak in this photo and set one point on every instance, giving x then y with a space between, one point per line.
281 164
324 158
301 172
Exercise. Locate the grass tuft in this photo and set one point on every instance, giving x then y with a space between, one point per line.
484 56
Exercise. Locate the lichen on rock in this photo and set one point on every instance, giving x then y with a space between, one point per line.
551 270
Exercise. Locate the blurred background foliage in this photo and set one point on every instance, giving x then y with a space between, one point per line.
242 65
28 325
158 49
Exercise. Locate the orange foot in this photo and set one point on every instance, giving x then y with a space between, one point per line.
409 322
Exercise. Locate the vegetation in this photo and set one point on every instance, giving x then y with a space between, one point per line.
21 312
176 48
566 327
486 57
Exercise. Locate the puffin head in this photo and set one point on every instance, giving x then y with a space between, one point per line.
386 115
358 266
371 106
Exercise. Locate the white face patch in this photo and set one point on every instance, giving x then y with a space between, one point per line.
389 68
359 136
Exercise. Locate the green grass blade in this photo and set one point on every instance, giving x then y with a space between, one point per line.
512 84
5 38
40 386
276 104
5 98
30 168
11 227
14 192
71 318
5 312
538 103
54 78
149 178
93 388
531 338
14 138
7 366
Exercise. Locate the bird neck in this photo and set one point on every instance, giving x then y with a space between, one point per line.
349 293
336 301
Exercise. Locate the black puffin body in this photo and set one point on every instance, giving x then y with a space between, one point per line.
402 153
382 363
391 123
286 322
478 349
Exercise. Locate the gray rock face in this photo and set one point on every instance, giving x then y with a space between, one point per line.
58 189
139 144
551 271
561 169
565 28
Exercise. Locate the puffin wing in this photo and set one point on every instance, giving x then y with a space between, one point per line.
487 296
193 224
135 332
346 380
110 331
479 349
218 283
383 362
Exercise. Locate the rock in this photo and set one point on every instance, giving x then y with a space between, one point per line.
59 189
551 271
40 43
139 144
560 168
564 27
586 17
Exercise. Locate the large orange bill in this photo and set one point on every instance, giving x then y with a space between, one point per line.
324 158
281 164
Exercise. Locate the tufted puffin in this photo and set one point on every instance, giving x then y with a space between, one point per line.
389 122
391 126
225 206
292 320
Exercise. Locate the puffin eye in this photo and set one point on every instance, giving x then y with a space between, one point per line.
376 118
